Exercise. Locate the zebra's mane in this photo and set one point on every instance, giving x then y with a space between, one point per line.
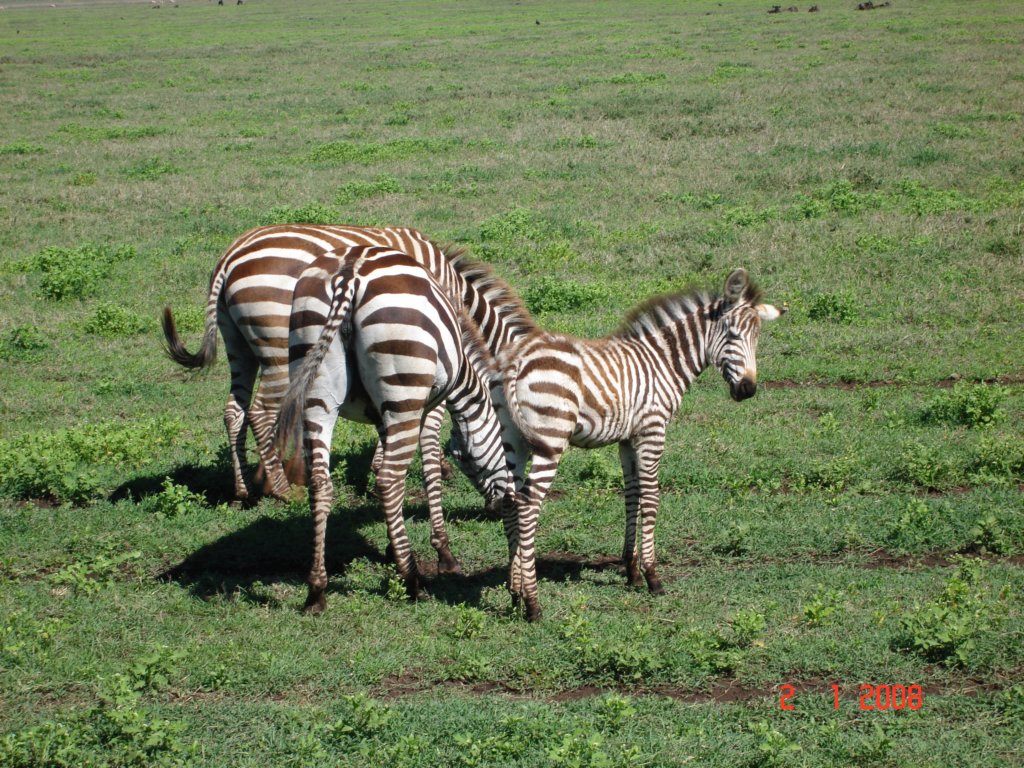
495 292
475 347
660 311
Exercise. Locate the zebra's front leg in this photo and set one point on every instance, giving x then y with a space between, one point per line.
523 570
649 452
400 440
430 449
631 483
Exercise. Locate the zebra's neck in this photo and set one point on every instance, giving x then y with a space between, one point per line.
675 329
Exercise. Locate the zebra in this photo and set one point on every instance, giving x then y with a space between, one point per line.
624 388
250 300
374 338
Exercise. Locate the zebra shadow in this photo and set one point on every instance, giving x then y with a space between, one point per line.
468 588
215 480
273 550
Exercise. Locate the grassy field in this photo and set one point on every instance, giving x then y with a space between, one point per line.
861 521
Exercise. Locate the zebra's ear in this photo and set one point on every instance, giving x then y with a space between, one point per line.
735 285
769 311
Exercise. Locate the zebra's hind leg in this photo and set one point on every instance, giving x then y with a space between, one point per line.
400 439
523 571
321 498
430 448
237 423
262 418
631 482
243 375
319 420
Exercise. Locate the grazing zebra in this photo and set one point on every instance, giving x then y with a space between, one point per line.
250 300
623 389
374 338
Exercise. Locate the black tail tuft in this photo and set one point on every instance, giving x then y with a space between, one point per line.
176 350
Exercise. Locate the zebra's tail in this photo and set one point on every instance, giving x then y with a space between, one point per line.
288 433
208 348
509 381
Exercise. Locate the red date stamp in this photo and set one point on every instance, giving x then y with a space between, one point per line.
871 697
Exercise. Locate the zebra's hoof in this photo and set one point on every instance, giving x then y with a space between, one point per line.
533 612
449 566
447 473
316 603
412 587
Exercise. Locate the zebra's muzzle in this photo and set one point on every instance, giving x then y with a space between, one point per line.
742 389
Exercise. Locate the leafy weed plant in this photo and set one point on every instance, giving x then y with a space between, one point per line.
950 628
112 320
73 273
71 464
967 405
23 342
118 732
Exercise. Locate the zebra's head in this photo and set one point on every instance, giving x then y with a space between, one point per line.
486 469
732 335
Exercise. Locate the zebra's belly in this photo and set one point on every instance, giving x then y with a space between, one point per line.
596 429
581 439
358 409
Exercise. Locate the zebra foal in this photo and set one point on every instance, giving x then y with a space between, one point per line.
624 389
374 338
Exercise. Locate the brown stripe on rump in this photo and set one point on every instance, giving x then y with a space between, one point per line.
282 241
409 379
392 259
299 351
396 285
549 413
306 318
262 293
273 343
546 364
396 316
273 265
551 388
263 321
406 347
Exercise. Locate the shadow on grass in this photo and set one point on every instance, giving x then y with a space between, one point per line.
469 588
216 480
277 549
274 550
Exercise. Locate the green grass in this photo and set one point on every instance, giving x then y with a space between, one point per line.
863 166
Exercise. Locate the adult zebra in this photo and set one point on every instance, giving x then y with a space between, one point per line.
623 389
250 300
374 338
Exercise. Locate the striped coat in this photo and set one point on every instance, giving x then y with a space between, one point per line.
374 338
